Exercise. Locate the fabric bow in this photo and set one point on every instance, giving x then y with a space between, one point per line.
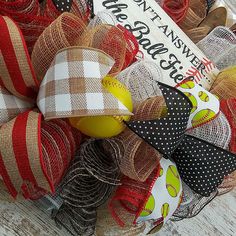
29 146
35 153
167 135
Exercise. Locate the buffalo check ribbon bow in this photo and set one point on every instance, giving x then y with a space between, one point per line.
202 165
71 87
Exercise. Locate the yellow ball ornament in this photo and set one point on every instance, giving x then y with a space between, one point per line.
106 126
149 207
173 182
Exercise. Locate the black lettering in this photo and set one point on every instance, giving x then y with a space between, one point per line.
139 29
116 9
164 28
145 8
171 65
179 43
157 49
145 43
195 61
187 52
173 37
201 68
155 17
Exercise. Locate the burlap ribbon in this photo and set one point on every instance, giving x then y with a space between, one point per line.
225 84
68 89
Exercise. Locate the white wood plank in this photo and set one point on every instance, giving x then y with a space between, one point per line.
217 219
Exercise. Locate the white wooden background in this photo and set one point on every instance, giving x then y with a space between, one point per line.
217 219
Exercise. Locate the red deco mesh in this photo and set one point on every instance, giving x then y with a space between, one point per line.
48 9
132 46
106 225
59 143
130 197
176 9
228 107
80 9
225 84
109 39
64 32
29 17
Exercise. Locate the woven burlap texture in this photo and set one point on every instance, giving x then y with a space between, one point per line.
64 32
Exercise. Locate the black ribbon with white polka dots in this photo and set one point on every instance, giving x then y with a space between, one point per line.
63 5
202 165
166 133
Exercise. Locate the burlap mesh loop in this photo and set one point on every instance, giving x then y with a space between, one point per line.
195 14
225 84
65 31
106 225
198 33
110 40
150 109
138 159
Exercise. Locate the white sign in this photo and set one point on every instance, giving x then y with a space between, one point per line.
161 40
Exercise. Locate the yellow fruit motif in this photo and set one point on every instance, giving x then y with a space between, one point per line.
173 181
188 85
165 209
193 101
203 117
203 96
149 207
106 126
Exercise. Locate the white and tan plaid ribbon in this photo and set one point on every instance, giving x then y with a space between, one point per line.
11 106
72 86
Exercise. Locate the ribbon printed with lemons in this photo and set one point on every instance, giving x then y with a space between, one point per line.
165 197
206 106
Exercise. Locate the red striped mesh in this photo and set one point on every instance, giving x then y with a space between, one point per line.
130 198
176 9
228 107
59 143
132 46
